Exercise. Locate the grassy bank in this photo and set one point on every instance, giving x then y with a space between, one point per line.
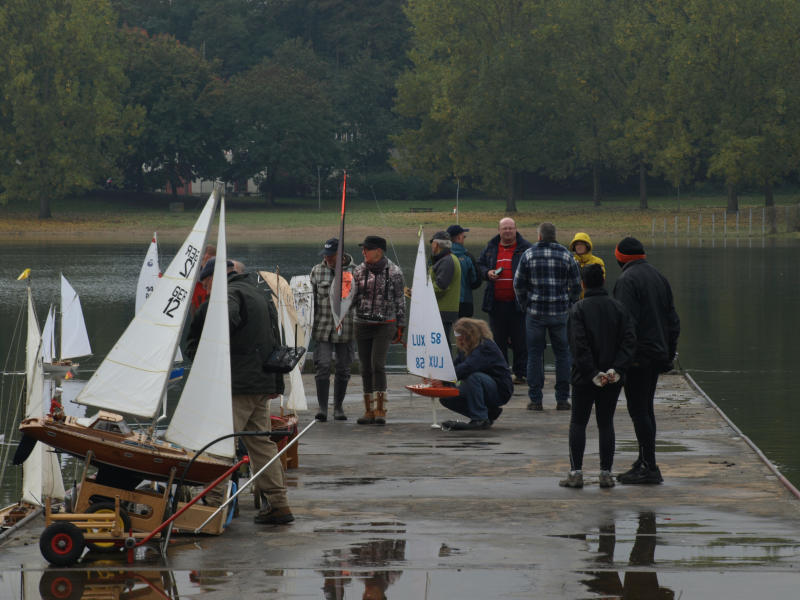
128 218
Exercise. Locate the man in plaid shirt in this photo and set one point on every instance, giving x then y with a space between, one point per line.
546 284
327 339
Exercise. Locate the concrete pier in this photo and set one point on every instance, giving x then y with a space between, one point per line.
409 511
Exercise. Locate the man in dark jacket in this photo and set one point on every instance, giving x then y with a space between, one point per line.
253 335
602 341
498 264
470 277
647 295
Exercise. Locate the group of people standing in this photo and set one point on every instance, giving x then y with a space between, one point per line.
602 343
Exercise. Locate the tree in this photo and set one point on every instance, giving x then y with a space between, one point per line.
61 113
479 80
180 136
281 124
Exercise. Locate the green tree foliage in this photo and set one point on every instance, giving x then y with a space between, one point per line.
281 122
61 114
477 92
180 136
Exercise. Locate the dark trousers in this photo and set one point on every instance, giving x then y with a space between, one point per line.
604 399
507 323
373 343
640 389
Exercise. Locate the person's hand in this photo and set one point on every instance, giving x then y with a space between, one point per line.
398 337
493 275
612 376
600 379
407 292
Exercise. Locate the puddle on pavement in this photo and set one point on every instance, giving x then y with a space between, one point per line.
344 482
374 527
661 446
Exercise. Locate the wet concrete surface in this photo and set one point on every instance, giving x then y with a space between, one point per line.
408 511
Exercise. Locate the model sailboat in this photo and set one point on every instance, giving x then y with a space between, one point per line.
133 376
41 473
74 339
427 351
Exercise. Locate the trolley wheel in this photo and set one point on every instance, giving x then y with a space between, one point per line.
124 524
56 585
61 543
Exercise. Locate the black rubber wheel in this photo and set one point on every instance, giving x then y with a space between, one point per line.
57 585
61 543
124 524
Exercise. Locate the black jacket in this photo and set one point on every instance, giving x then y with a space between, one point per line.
254 333
488 359
647 295
601 336
488 260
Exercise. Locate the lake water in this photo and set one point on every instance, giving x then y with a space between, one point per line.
737 301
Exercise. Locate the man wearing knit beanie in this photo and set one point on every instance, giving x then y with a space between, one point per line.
647 295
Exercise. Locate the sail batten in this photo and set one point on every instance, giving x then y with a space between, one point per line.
134 374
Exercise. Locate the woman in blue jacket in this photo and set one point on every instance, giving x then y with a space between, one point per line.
484 375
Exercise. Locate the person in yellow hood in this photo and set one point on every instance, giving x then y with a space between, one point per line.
581 247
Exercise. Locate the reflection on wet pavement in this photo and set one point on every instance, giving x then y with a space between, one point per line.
67 584
634 583
369 563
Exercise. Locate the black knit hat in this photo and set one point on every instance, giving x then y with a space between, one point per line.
630 245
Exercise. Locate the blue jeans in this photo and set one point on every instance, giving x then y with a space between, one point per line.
477 397
536 326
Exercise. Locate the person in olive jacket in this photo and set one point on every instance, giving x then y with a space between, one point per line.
254 333
602 341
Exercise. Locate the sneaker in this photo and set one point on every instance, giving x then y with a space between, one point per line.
606 479
563 405
321 417
518 380
339 417
574 480
494 413
276 516
535 406
642 475
634 467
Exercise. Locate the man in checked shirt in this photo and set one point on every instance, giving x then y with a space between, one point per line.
546 284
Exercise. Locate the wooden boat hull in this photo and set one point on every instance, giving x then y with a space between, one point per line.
126 450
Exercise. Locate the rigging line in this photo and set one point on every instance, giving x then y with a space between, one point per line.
385 227
13 393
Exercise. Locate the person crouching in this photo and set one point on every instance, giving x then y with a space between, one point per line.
484 375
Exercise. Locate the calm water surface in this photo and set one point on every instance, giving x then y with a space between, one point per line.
738 305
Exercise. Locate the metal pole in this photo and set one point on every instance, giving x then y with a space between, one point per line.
253 478
458 211
319 195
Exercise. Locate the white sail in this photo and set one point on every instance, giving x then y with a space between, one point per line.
133 375
148 275
49 336
296 398
204 411
41 474
74 339
427 351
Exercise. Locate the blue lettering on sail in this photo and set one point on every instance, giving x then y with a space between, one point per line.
436 337
417 339
436 362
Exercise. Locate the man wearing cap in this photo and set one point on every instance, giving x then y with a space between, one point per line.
647 295
445 274
327 339
546 284
380 313
470 279
497 265
254 333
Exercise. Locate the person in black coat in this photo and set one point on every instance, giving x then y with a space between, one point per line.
602 341
484 374
647 295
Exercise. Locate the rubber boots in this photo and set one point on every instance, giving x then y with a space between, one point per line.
380 410
339 390
323 386
369 415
